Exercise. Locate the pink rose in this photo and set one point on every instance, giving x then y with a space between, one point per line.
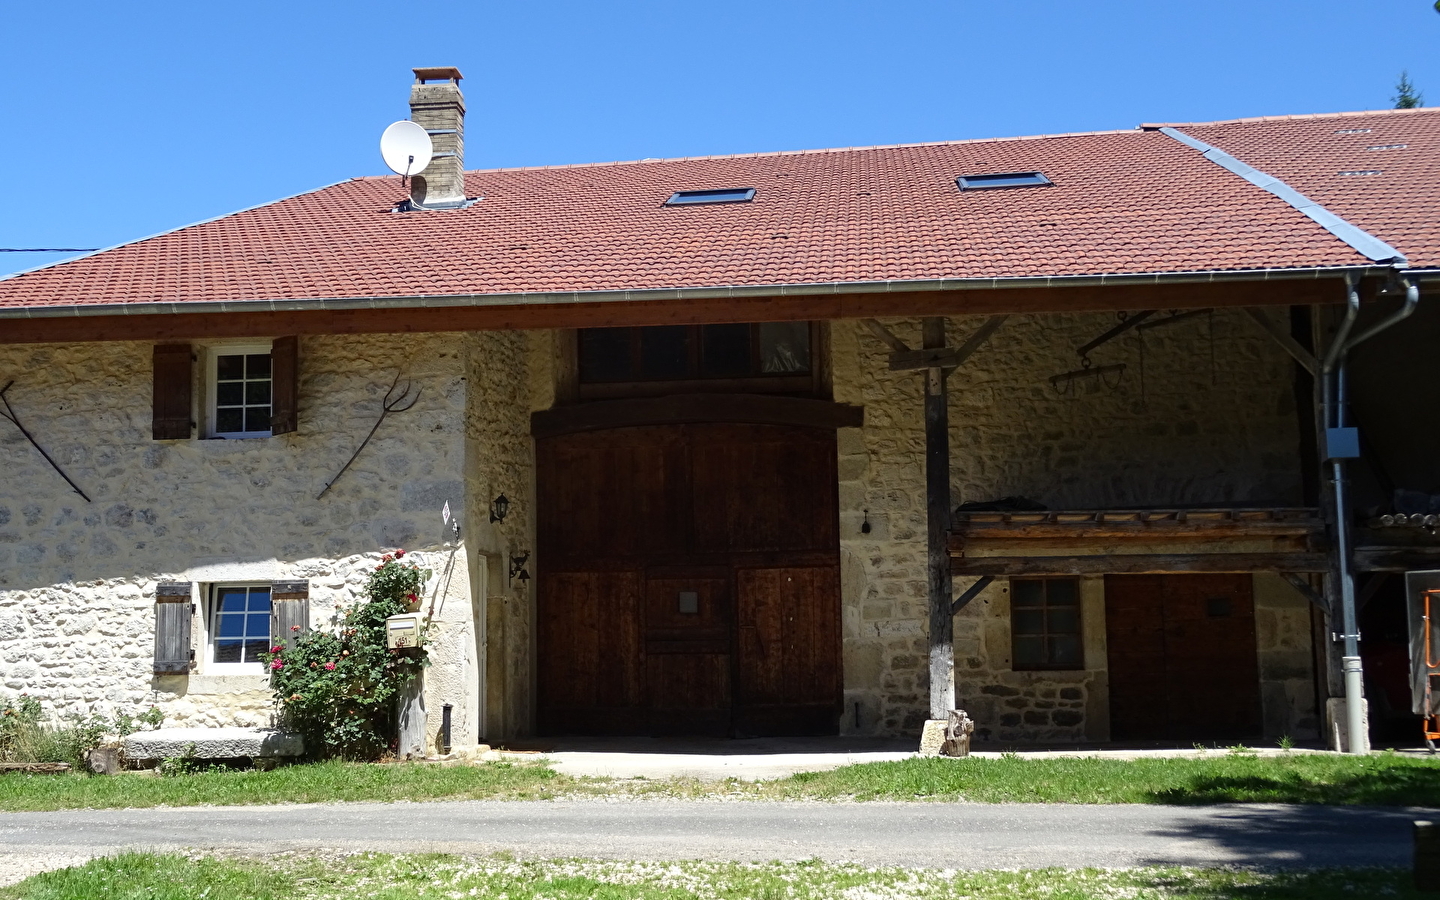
276 664
294 627
399 553
330 667
277 649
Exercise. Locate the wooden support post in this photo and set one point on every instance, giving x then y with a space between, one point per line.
937 509
410 716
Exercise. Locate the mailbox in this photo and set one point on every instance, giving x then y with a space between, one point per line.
402 631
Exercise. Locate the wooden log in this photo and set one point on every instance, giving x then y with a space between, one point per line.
937 514
1138 564
44 768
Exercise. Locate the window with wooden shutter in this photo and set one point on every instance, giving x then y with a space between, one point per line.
285 366
173 611
289 610
173 377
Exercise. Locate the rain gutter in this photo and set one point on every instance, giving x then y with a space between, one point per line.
1362 241
731 292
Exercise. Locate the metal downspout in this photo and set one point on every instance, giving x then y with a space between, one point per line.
1335 399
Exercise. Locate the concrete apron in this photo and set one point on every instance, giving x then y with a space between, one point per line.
765 758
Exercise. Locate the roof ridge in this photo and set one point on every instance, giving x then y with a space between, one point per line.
1156 126
770 153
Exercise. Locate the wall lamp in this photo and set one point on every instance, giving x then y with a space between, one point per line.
499 508
517 567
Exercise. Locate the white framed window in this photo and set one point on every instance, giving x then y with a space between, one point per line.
237 628
239 391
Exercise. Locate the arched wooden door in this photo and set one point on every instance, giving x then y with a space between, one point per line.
688 581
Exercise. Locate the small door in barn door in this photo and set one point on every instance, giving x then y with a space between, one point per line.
688 619
1182 657
789 669
591 679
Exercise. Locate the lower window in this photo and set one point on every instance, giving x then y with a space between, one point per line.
1045 623
239 624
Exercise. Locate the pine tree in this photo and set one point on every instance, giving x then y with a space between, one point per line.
1406 97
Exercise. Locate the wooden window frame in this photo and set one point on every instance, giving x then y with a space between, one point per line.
212 614
212 354
814 383
1079 633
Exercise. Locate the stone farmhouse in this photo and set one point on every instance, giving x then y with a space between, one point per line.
793 443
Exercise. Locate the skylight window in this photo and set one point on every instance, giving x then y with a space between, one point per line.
1001 180
723 195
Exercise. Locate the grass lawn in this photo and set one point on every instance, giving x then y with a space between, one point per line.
1382 780
303 877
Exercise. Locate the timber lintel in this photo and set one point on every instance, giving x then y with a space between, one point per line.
1138 564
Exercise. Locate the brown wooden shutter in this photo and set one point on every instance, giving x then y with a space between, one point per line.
289 607
174 609
170 404
284 385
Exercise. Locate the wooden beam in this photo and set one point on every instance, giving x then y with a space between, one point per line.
752 409
886 336
971 593
1138 564
1307 590
946 357
937 522
494 316
1302 356
964 537
1396 559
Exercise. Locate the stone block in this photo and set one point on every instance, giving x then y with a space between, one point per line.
1335 724
213 743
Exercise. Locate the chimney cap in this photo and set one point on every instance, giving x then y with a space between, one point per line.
437 73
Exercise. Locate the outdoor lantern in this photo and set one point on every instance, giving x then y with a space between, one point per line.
498 508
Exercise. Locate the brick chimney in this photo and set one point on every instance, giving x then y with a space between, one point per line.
439 108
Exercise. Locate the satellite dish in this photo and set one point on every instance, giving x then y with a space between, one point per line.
406 148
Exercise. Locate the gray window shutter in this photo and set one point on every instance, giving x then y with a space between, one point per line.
174 608
289 607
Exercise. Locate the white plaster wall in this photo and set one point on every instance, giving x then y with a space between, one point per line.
1210 422
77 579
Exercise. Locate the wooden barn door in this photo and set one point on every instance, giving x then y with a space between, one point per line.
1182 657
689 581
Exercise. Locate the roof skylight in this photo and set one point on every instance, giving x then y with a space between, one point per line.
1001 180
723 195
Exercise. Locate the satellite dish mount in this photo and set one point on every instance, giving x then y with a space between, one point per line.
406 148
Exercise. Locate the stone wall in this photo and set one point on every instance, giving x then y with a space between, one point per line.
1194 420
77 579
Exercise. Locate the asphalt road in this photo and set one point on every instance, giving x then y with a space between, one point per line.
947 835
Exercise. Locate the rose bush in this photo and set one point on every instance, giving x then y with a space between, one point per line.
338 688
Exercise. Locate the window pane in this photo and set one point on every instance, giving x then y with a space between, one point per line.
665 351
232 601
228 421
1063 591
231 626
605 354
260 600
784 347
229 367
1027 593
1028 621
227 651
257 625
1065 651
253 649
726 350
257 418
1029 651
257 392
229 393
1064 621
257 365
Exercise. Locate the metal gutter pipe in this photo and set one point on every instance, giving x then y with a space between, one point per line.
1335 399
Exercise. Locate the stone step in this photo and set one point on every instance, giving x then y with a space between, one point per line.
213 743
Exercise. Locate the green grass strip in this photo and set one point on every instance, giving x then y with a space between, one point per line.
432 877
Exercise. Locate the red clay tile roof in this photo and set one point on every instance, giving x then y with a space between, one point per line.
1121 202
1378 170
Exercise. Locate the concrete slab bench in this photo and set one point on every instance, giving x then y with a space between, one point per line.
214 743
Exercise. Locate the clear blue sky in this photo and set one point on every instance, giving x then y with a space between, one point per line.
122 119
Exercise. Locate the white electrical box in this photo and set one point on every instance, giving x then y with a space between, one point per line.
402 631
